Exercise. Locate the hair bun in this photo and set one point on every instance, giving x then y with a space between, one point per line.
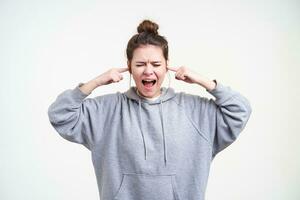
148 26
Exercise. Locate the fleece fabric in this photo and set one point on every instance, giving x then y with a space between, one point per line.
151 149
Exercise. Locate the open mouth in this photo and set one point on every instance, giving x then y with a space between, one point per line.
148 83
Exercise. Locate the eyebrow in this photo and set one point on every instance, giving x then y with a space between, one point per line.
151 62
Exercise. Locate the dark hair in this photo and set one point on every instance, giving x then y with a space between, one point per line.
147 34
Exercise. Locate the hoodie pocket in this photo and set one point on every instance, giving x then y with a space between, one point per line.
147 187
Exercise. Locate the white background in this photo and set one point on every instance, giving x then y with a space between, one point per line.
47 47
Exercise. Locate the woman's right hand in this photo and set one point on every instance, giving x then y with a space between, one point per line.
111 76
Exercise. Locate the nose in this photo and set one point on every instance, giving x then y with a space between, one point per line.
149 69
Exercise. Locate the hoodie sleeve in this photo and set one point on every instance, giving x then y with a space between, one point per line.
220 120
77 118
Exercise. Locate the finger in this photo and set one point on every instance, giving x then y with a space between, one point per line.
178 74
115 78
110 81
182 77
122 69
174 69
179 78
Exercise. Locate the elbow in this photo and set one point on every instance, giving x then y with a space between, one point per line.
248 111
50 114
245 116
245 110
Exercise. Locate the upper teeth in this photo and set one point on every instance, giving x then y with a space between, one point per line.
149 80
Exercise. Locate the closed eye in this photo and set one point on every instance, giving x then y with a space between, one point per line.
153 65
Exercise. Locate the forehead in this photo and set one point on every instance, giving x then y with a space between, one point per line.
148 52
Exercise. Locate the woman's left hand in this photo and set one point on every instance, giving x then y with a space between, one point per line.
185 74
189 76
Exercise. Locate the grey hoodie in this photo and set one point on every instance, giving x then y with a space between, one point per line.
151 150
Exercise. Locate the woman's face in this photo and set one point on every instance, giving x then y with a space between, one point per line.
148 69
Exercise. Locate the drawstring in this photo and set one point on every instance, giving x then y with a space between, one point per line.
163 130
141 126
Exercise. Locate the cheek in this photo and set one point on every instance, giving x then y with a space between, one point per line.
135 72
136 75
161 73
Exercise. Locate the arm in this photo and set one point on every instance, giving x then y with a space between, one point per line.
225 117
80 119
72 116
222 119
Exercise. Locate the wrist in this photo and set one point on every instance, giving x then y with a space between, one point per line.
88 87
207 84
212 85
94 83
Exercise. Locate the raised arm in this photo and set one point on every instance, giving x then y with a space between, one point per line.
220 120
80 119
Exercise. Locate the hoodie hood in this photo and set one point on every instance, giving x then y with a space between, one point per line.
166 95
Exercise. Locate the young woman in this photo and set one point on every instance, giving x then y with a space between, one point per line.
150 143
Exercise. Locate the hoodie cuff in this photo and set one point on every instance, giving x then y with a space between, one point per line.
221 93
77 94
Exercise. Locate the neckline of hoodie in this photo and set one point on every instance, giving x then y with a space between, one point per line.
166 94
147 98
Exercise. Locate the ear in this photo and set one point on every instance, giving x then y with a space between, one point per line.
167 64
129 66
